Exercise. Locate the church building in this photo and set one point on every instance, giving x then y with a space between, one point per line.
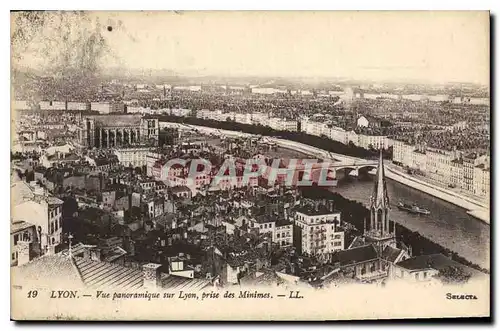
370 256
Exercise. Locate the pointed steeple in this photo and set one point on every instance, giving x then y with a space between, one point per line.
379 206
380 198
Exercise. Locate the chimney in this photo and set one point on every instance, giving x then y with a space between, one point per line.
87 254
95 254
151 275
24 251
51 249
131 247
331 206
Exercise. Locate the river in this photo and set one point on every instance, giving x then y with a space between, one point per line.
448 225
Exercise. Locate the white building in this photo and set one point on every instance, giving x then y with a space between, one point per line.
282 124
244 118
283 233
259 118
132 156
192 88
107 107
363 122
280 230
373 141
52 105
268 90
20 105
66 149
338 134
45 212
319 230
482 180
449 168
78 105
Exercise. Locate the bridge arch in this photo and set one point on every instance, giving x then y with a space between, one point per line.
369 167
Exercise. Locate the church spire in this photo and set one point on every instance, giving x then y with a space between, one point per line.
379 207
380 196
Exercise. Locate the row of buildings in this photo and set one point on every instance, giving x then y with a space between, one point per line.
103 107
469 171
304 124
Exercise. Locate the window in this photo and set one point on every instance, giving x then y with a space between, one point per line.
416 276
16 238
13 256
425 274
278 235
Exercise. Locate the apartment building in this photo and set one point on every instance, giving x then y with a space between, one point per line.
319 230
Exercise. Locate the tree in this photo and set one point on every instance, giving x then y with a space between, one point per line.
29 176
453 275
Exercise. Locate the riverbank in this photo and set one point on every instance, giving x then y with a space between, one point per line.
475 208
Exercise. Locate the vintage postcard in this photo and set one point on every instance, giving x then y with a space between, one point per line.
250 165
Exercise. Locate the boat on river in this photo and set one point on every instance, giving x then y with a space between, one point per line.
414 209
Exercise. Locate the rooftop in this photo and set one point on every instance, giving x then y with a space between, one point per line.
18 225
114 120
355 255
315 211
433 261
390 253
180 189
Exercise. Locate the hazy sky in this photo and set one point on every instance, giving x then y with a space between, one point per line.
431 46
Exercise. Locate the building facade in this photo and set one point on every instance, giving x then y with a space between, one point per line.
45 213
320 231
132 156
112 131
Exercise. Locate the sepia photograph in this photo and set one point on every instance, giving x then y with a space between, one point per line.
249 165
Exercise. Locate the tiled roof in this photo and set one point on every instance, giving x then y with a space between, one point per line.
49 271
358 242
16 226
179 189
391 254
171 282
262 277
355 255
434 261
103 274
117 120
311 211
